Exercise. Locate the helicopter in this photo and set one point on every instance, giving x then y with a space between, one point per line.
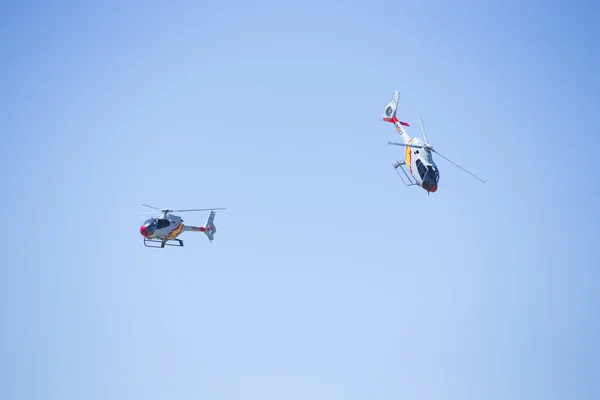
418 161
161 230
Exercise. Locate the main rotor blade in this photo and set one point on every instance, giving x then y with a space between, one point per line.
423 129
199 209
416 146
447 159
146 205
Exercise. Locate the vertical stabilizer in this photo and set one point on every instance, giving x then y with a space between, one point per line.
209 228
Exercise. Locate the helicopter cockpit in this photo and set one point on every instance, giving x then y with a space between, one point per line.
434 172
150 225
429 174
431 178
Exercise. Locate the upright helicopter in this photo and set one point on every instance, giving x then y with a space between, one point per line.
167 227
422 170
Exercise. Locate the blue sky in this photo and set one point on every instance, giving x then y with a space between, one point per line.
328 278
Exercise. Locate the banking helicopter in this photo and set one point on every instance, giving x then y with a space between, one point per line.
161 230
418 161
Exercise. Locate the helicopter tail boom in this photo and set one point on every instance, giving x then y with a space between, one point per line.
209 228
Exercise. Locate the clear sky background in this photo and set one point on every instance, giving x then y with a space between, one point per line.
328 278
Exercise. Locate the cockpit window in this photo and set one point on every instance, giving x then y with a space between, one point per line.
151 225
428 171
421 168
163 223
435 172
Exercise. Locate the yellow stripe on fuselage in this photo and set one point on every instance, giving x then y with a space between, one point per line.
175 232
409 156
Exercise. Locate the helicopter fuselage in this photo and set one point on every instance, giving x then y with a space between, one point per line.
421 166
162 228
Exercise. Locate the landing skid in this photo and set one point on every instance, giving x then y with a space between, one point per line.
162 243
401 164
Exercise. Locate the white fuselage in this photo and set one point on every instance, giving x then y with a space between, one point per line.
418 161
165 227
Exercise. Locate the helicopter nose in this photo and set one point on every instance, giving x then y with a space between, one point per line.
429 185
143 231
